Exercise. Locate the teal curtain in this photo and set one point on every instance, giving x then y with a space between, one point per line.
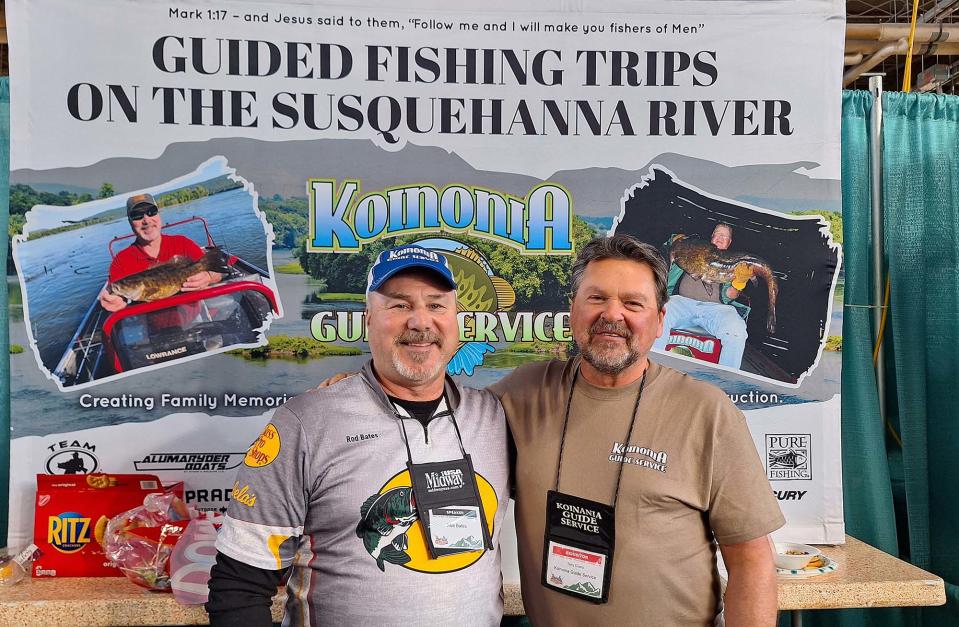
921 205
4 311
888 486
867 490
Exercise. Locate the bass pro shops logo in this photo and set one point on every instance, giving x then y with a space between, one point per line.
789 456
391 531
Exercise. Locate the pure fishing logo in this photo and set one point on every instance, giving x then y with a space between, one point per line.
392 533
484 301
342 220
789 456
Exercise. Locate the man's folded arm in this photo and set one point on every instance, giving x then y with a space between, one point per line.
240 594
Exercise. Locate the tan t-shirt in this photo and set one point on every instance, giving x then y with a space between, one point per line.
693 472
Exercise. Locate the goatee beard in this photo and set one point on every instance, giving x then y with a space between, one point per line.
419 371
609 361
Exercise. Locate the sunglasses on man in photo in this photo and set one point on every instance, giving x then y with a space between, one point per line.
138 215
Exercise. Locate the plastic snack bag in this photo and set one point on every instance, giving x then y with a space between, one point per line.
141 540
14 568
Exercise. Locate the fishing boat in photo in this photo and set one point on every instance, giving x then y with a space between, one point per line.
230 312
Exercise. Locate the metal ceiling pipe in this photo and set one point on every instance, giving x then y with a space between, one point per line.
894 32
943 8
852 59
898 47
857 46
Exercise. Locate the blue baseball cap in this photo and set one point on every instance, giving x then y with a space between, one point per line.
395 260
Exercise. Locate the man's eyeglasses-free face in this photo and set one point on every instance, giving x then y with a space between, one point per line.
138 215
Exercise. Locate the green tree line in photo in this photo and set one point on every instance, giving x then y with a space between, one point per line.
833 217
289 217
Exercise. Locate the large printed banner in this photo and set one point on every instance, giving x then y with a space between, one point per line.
286 145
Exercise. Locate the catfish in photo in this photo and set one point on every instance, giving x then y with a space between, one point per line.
166 279
701 260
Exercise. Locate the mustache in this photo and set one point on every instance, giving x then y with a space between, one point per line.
605 326
420 337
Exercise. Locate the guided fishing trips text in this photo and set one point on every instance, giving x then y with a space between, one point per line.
377 90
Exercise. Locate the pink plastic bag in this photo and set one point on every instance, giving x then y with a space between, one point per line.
191 561
140 540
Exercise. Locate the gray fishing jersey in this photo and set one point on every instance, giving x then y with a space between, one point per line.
326 488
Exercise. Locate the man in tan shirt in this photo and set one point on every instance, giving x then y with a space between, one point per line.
672 453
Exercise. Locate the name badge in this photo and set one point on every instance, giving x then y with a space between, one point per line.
450 508
456 528
578 548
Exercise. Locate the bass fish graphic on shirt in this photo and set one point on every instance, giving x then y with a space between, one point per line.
384 520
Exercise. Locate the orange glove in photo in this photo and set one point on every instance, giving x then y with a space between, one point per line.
741 274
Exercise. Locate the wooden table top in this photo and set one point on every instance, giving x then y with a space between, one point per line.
866 577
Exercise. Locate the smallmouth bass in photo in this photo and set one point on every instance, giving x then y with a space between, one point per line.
702 260
167 278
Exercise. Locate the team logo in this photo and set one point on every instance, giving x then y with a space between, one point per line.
392 533
789 456
68 532
265 449
72 458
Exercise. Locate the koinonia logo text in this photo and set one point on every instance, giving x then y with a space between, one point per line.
342 219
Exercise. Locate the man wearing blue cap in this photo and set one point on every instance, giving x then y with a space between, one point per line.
383 496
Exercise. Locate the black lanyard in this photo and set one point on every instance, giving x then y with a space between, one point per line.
447 497
580 535
629 435
439 414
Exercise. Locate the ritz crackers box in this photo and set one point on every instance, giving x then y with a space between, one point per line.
71 514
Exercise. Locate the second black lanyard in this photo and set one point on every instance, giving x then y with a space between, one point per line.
580 534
